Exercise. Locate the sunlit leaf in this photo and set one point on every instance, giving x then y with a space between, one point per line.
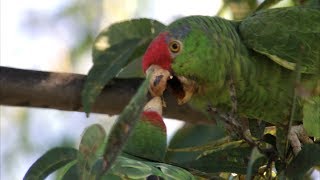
50 162
134 169
142 29
173 172
308 157
267 4
126 167
311 116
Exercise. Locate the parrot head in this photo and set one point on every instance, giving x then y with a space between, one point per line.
182 59
149 137
159 60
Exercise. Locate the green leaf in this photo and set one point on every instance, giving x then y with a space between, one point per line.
308 157
70 171
191 135
206 149
255 155
173 172
115 35
128 168
111 177
132 70
108 67
97 169
50 162
311 116
138 28
125 124
222 156
132 29
114 48
91 144
229 157
133 169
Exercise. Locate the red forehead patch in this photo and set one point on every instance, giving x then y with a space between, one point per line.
157 53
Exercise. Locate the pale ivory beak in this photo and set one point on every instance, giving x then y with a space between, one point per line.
155 104
158 79
189 87
158 83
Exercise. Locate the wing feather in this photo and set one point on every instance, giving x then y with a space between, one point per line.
286 35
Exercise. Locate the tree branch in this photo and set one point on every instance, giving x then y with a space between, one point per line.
62 91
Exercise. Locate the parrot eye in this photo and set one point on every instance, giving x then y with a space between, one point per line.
174 46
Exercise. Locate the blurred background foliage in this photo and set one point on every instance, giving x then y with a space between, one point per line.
58 36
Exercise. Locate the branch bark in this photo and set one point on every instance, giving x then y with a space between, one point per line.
62 91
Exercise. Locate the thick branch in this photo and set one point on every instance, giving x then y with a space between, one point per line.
63 91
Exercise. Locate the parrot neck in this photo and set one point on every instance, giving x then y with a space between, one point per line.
229 60
148 139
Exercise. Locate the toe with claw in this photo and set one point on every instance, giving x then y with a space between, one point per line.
297 137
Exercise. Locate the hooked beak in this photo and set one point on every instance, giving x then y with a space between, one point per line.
155 104
161 79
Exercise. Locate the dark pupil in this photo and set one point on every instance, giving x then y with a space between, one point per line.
174 46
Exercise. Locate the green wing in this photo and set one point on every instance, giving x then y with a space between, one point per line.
286 35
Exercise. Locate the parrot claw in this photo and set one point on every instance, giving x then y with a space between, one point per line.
298 136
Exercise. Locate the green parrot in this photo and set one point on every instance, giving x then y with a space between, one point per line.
146 148
249 66
149 137
148 141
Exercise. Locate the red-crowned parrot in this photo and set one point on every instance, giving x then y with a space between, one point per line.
145 149
149 137
201 58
